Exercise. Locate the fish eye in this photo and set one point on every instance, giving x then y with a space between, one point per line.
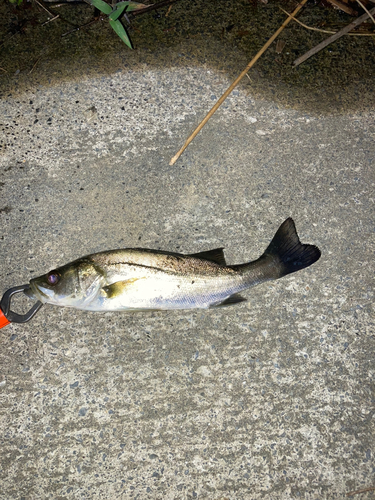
53 277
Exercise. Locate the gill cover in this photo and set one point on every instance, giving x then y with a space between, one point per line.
73 285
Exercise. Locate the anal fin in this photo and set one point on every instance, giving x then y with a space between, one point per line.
236 298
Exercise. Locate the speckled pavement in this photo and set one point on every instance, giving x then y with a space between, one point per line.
270 399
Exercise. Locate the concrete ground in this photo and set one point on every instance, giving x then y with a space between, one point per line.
272 398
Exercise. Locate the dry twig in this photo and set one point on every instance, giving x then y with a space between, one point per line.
324 31
357 492
154 6
236 82
82 27
50 20
364 8
333 38
36 62
345 8
7 39
45 8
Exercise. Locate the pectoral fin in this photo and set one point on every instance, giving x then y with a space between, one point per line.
116 289
233 299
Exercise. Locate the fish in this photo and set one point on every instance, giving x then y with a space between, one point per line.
139 279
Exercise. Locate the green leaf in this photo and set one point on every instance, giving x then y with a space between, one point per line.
117 11
121 6
102 6
107 9
120 30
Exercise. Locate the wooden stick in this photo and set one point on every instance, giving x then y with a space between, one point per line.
236 82
334 37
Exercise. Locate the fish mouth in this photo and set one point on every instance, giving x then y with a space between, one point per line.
39 292
29 293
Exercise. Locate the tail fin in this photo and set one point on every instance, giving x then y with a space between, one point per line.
288 252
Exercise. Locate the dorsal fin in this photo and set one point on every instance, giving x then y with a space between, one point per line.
216 255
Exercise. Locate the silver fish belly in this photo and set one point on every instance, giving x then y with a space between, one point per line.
142 279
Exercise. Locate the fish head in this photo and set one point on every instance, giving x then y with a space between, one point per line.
72 285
